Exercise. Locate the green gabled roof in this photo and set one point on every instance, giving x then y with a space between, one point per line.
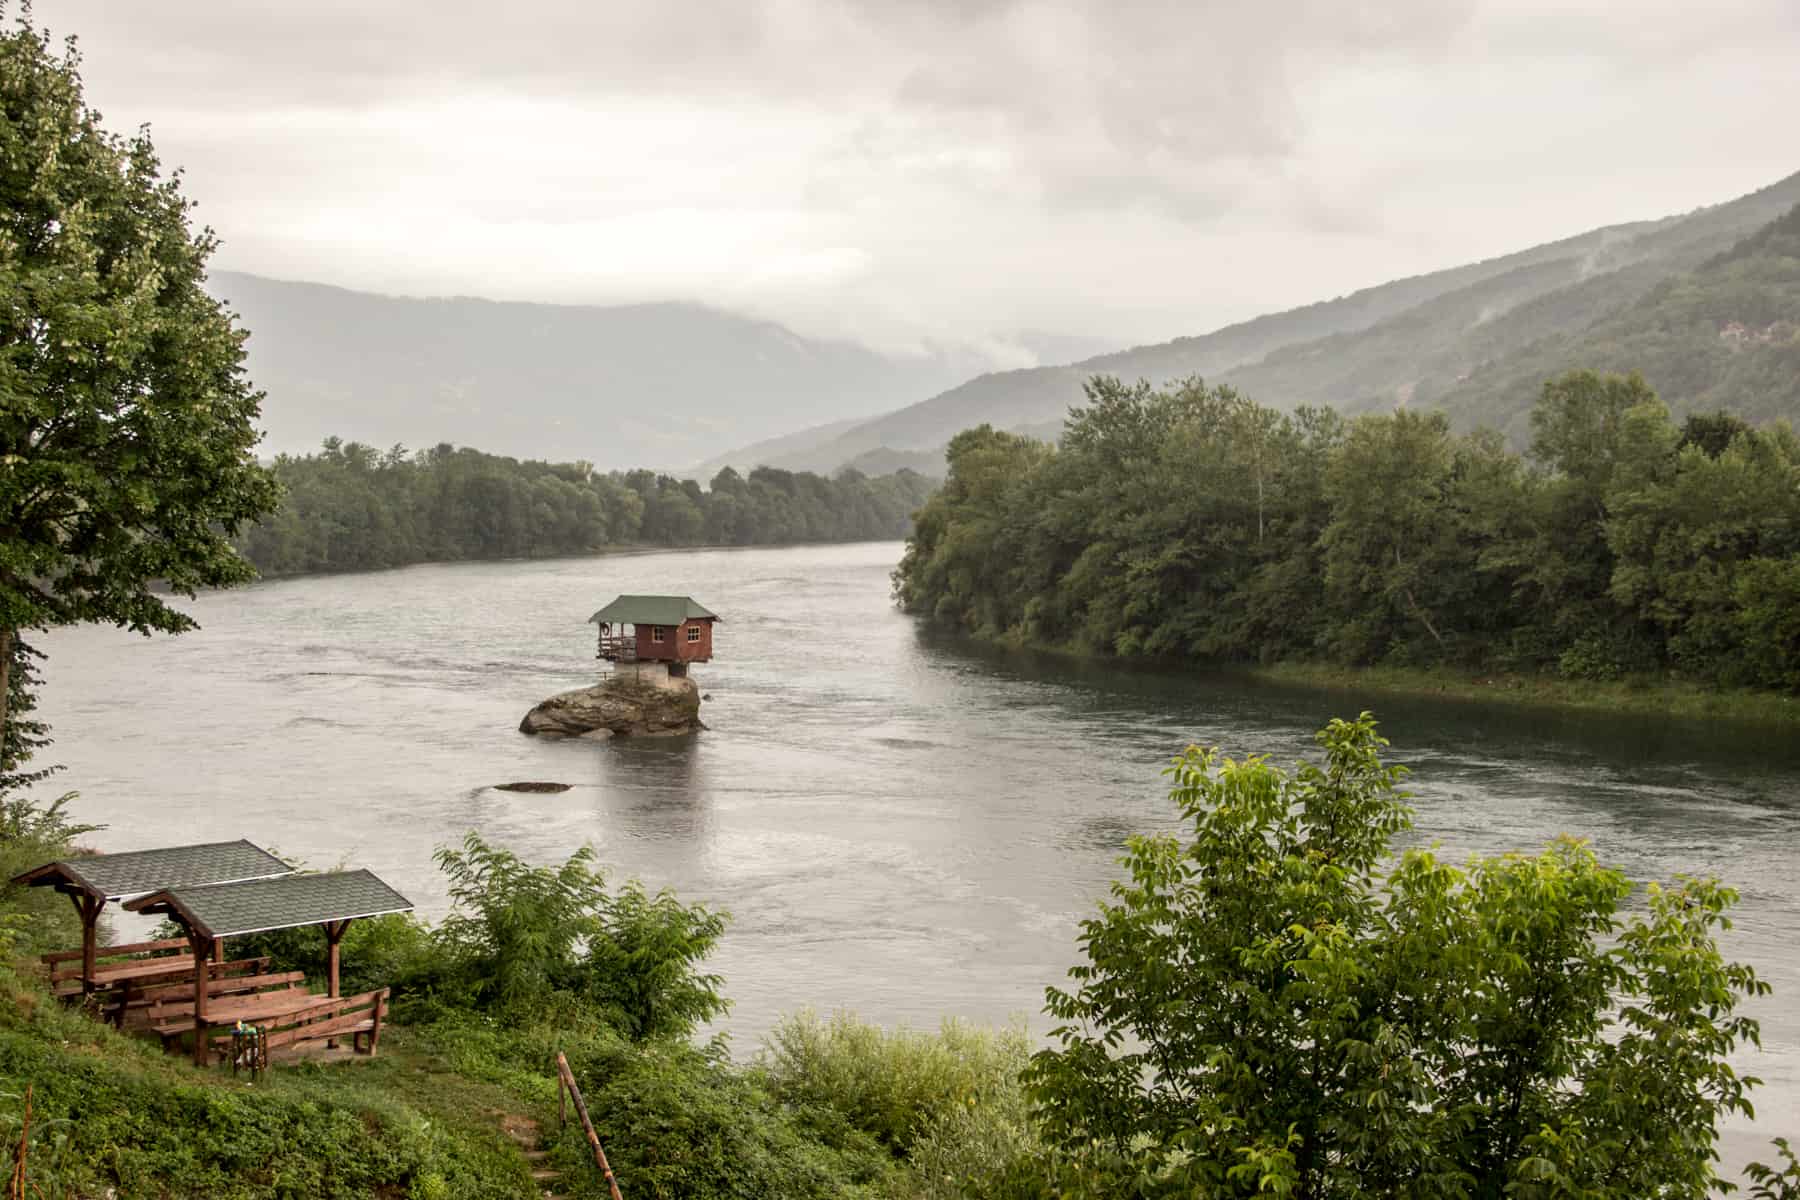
136 872
652 610
229 909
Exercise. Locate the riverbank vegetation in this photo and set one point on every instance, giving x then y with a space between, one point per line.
1271 1003
1191 524
350 507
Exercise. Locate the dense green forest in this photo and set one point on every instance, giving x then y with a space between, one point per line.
351 507
1193 524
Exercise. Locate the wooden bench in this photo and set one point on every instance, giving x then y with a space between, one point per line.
163 1003
66 982
172 1015
359 1016
288 1017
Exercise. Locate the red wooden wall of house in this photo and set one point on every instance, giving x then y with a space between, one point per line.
675 645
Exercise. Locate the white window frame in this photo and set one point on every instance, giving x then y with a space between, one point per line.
656 633
693 633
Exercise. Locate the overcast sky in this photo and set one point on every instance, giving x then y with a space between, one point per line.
899 172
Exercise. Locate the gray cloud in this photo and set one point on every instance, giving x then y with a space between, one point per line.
940 169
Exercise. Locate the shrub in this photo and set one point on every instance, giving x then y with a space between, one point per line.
534 939
893 1084
32 834
682 1126
515 930
1276 1006
393 950
641 964
975 1149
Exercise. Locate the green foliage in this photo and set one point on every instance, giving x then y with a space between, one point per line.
681 1126
22 736
393 950
1780 1182
898 1085
526 938
32 834
45 1145
641 966
126 421
1272 1005
125 1120
515 933
1191 524
350 507
987 1149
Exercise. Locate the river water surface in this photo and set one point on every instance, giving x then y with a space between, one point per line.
901 825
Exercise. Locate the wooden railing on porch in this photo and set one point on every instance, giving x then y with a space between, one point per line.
618 649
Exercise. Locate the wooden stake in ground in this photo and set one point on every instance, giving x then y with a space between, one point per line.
567 1079
15 1186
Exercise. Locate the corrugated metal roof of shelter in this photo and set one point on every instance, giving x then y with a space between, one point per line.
138 872
652 610
229 909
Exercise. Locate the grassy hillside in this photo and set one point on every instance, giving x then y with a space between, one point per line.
1726 335
1512 332
1411 341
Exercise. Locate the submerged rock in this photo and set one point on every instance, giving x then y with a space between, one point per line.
621 704
533 785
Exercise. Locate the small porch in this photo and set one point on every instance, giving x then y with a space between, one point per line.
617 647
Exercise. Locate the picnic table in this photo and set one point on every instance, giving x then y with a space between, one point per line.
215 891
285 1017
330 899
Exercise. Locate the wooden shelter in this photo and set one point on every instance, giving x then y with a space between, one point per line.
91 882
331 899
670 629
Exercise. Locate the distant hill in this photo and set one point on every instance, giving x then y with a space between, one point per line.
654 385
1523 325
770 450
1461 337
1725 335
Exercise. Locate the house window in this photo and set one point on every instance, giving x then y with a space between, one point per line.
656 633
693 633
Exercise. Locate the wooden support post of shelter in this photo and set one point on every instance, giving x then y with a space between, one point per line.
90 883
203 948
334 934
89 907
330 899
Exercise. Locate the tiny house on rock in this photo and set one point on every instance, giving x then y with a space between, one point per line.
670 631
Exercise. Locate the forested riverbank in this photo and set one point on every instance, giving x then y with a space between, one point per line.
1191 524
350 507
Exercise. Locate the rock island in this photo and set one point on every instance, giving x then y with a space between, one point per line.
649 642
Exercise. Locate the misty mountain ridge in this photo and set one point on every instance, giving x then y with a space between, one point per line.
661 384
1478 340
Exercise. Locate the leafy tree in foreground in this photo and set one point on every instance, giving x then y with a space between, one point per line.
125 415
1275 1005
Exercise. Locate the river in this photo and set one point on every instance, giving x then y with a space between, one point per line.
899 824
